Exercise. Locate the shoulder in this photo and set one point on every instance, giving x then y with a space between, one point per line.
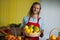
25 18
41 20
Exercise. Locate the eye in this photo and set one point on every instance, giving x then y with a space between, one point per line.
38 8
34 7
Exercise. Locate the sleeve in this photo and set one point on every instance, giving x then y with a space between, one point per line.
25 20
22 24
41 22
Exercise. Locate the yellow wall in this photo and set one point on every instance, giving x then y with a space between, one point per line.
13 11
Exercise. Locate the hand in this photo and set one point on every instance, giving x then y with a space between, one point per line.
42 31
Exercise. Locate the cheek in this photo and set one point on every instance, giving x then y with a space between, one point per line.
33 9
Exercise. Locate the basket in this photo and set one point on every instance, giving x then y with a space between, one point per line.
2 35
52 31
13 31
33 34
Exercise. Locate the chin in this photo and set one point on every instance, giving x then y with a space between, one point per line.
35 12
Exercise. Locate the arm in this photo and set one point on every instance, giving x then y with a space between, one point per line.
41 22
22 24
21 27
25 20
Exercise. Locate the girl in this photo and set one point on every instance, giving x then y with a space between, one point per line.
33 18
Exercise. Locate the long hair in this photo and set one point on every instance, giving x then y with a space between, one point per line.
31 9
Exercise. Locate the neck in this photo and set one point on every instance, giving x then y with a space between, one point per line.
35 15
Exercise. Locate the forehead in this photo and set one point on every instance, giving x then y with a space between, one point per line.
37 5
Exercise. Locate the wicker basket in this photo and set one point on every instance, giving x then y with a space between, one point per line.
33 34
13 31
52 31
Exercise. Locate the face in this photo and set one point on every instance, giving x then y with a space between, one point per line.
36 8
